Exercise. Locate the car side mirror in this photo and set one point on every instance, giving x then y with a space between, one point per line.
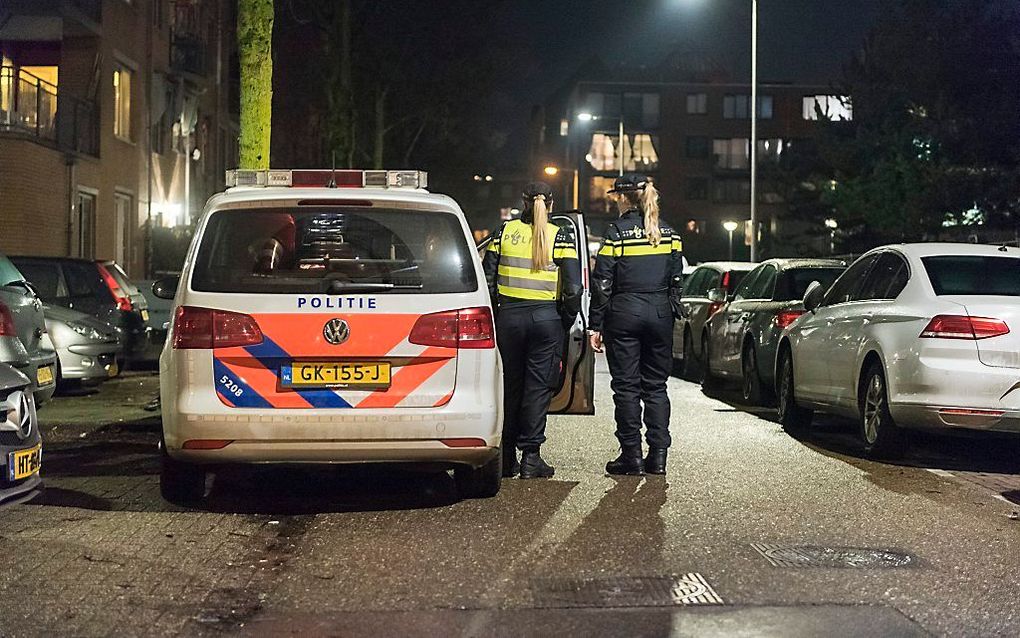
813 296
717 295
166 288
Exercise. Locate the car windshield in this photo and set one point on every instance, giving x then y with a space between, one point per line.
9 274
794 282
974 275
324 250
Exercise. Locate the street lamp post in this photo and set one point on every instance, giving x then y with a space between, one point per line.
730 226
754 130
553 171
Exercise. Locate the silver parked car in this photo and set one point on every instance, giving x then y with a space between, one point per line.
87 349
910 336
22 329
717 280
20 442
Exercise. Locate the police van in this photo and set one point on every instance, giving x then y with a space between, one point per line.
339 317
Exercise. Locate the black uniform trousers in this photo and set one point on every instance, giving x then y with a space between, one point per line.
638 333
530 338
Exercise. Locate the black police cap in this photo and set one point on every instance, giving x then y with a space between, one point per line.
534 189
629 184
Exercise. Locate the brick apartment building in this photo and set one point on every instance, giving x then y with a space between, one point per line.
686 125
117 119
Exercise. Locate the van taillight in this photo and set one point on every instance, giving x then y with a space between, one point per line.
962 327
123 301
470 328
202 328
6 322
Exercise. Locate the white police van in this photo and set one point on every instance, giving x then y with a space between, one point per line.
338 317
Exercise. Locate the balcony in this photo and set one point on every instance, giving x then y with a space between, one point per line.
32 107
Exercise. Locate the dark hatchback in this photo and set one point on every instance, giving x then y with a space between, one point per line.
86 286
744 334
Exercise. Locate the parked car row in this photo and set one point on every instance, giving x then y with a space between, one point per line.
916 336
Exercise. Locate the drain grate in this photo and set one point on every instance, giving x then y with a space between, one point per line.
625 591
843 557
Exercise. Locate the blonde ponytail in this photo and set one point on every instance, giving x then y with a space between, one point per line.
540 252
650 205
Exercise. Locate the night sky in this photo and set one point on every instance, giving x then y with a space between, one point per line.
542 43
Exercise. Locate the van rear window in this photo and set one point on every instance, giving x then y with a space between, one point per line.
334 250
974 275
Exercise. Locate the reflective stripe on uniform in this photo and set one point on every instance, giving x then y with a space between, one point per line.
525 283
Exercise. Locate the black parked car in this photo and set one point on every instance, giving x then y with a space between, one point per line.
743 335
86 286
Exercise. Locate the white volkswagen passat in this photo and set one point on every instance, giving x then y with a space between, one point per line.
910 336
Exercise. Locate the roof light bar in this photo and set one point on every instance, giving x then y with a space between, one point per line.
325 177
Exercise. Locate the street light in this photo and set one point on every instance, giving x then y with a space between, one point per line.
730 226
832 225
553 171
589 117
754 130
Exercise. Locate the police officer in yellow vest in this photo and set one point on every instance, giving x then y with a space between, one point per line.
535 278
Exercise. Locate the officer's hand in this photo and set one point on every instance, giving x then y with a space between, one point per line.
596 341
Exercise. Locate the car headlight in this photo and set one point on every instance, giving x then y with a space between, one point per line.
88 331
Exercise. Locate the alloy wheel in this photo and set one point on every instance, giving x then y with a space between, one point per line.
874 404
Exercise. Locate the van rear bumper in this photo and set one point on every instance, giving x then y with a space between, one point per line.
339 452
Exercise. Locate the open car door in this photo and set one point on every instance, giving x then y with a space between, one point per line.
577 381
576 394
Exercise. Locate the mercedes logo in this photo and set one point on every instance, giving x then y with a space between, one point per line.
336 331
19 414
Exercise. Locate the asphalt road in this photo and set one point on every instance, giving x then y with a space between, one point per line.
751 533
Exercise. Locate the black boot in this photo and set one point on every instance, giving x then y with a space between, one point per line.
532 466
511 467
629 463
655 462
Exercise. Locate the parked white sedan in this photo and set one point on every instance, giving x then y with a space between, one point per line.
910 336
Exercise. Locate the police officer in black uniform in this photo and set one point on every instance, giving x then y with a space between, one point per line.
636 289
535 280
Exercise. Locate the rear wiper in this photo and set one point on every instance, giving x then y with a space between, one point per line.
341 287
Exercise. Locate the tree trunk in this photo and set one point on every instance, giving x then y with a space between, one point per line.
254 47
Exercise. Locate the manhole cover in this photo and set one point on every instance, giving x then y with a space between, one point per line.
810 556
639 591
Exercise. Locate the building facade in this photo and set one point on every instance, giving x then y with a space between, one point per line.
688 129
117 119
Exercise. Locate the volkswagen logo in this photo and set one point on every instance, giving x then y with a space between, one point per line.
336 331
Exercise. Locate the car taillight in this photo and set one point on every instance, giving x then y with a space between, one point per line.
962 327
470 328
726 282
202 328
123 301
715 307
785 317
6 322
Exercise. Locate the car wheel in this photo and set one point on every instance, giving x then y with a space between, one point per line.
753 391
180 483
879 433
481 482
690 364
709 381
793 417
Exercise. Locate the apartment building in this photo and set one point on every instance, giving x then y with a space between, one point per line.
117 120
687 125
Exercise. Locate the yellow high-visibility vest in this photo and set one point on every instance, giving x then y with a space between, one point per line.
515 277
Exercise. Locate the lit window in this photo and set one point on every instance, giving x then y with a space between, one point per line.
639 152
829 107
732 153
771 149
765 107
697 103
122 103
564 128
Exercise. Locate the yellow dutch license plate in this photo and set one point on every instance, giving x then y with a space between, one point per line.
44 375
24 463
340 374
145 315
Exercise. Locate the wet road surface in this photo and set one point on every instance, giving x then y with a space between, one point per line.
752 532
